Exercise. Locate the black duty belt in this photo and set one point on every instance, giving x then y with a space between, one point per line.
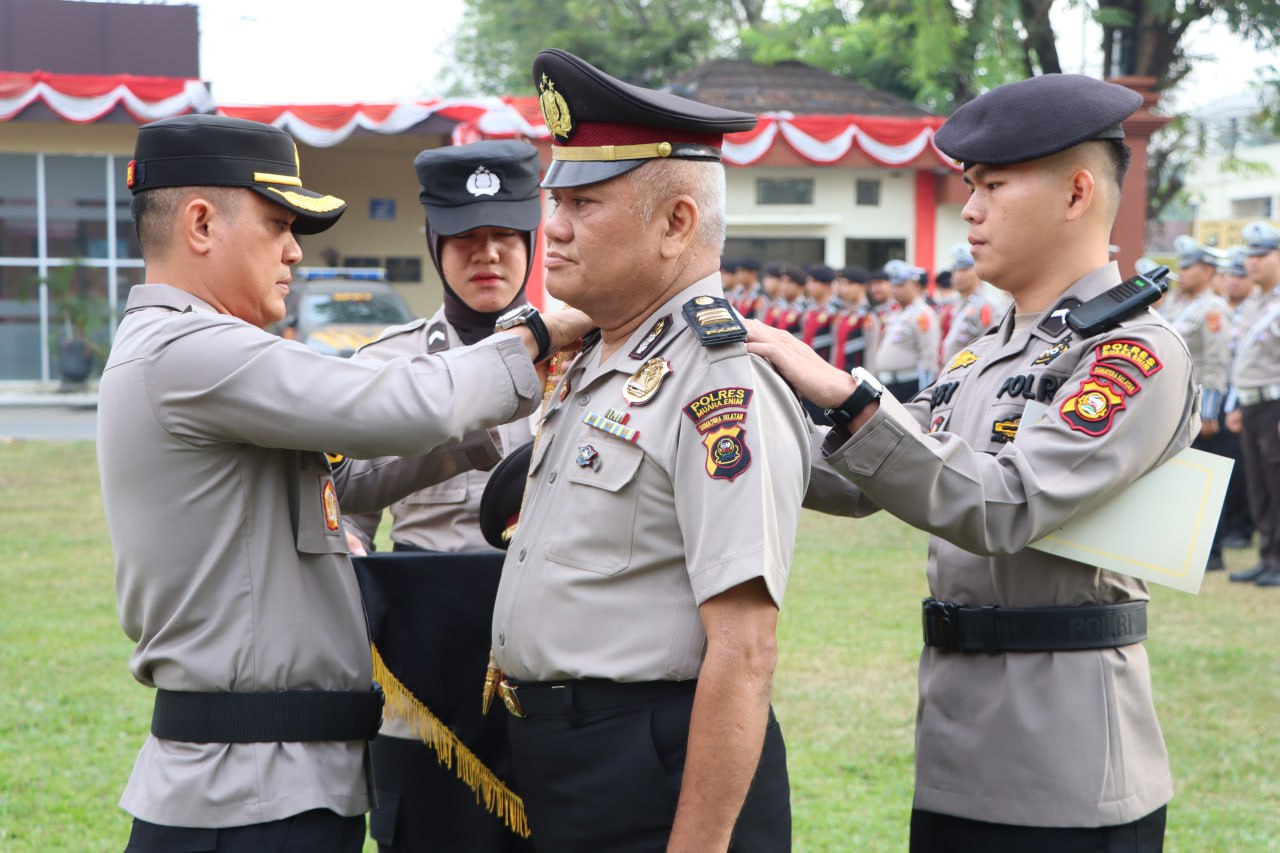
952 627
281 715
560 698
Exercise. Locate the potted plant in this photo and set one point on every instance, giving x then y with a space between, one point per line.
77 319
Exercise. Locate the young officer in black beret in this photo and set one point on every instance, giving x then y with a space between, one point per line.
635 621
232 573
1030 735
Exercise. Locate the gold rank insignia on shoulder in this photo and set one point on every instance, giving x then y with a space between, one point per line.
714 321
643 385
1054 351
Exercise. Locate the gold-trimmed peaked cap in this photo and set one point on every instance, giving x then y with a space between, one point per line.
602 127
219 151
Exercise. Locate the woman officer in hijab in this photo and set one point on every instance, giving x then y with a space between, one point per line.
483 207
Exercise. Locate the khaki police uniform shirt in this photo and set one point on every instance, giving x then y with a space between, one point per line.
1204 321
620 541
445 516
910 342
1257 361
973 316
232 571
1036 739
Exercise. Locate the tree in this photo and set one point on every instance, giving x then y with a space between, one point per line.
646 42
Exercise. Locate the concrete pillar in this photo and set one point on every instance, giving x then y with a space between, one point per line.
1130 230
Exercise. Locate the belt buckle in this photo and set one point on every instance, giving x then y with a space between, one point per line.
941 625
510 699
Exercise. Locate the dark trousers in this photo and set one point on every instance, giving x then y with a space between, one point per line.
939 833
1260 448
316 831
424 806
903 391
609 781
1236 519
1219 444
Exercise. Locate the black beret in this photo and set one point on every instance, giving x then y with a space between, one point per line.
943 279
503 494
727 265
878 274
796 274
1034 118
822 273
492 183
749 264
775 268
856 274
220 151
602 127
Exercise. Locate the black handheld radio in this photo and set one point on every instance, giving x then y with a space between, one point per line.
1106 310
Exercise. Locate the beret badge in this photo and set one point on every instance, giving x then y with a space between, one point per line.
555 109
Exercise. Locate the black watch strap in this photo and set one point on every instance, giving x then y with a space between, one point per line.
540 336
864 394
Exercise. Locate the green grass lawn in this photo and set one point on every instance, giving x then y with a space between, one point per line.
72 718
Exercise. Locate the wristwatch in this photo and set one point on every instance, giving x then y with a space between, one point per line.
527 315
867 391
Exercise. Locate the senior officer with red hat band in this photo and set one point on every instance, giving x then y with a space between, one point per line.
635 619
1029 735
232 573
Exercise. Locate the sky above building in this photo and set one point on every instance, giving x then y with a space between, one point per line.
376 51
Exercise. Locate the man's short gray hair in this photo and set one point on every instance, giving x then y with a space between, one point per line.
658 180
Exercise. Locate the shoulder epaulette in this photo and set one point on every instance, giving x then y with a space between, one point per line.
393 331
714 321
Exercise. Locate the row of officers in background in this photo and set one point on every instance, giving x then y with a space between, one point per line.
1224 303
884 320
1226 306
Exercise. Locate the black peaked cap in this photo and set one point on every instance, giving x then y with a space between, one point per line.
491 183
602 127
219 151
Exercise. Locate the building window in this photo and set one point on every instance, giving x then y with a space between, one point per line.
1251 208
784 190
65 232
867 193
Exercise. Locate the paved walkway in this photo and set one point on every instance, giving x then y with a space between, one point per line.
37 395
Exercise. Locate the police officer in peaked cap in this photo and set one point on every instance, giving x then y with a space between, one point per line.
483 207
1255 377
232 573
1028 736
636 616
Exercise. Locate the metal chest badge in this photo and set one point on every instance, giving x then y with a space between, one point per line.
332 519
587 457
642 386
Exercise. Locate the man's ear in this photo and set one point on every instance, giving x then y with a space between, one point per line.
679 216
1080 189
194 224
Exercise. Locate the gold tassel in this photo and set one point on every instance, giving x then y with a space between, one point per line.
403 705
